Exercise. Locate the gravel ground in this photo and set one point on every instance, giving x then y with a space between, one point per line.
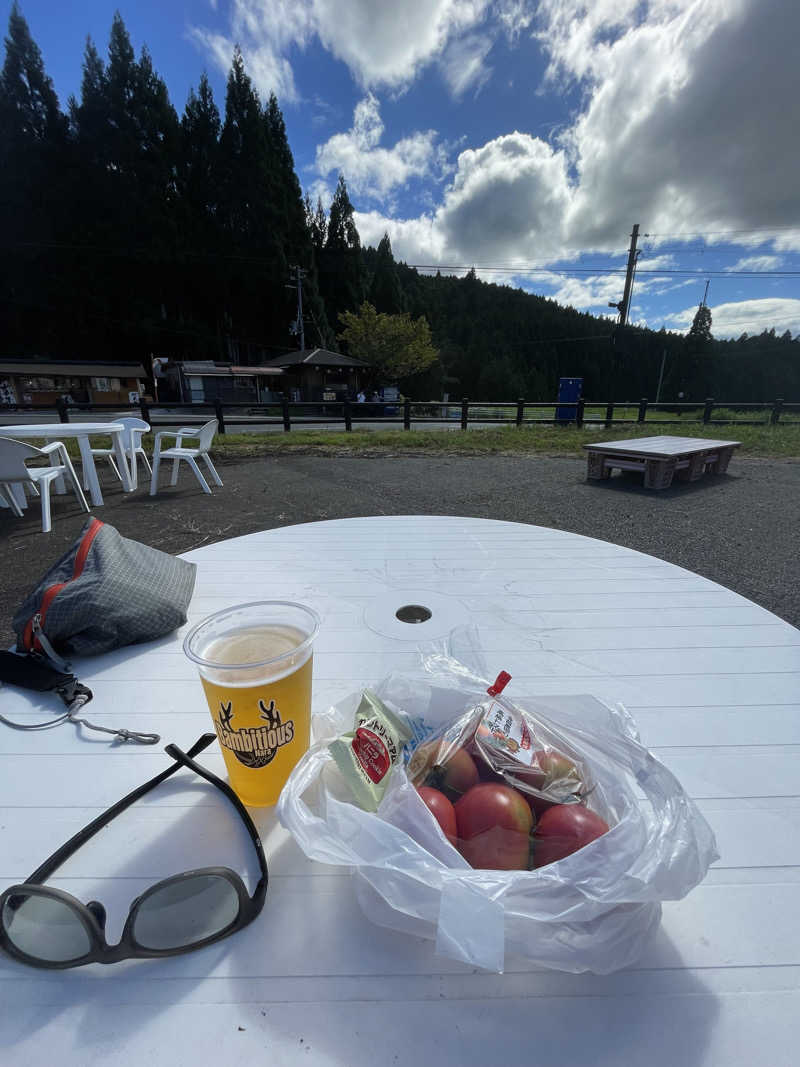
739 529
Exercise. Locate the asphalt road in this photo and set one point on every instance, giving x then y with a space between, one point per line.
739 529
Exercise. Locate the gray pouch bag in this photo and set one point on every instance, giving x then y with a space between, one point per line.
105 592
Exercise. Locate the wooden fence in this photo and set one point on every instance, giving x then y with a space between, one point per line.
418 414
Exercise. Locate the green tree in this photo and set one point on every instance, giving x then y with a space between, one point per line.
255 268
29 110
384 291
699 337
341 266
316 223
33 157
198 171
395 346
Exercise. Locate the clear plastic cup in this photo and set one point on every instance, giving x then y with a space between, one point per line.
255 664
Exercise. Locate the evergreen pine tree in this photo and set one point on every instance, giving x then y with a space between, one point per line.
32 156
29 110
385 293
341 264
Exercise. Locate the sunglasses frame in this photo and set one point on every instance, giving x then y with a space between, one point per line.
94 920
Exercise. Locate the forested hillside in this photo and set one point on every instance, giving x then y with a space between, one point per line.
129 230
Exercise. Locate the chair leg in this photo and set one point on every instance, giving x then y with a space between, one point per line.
205 486
47 525
114 467
174 479
11 500
154 473
76 485
143 454
212 468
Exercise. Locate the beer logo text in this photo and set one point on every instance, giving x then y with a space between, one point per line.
254 746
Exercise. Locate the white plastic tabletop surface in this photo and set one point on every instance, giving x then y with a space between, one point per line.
712 679
61 429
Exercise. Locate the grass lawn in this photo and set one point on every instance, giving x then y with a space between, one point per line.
549 440
763 440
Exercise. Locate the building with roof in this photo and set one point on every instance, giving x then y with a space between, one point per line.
200 381
35 381
317 374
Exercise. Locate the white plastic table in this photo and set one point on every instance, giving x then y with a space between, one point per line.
83 431
712 679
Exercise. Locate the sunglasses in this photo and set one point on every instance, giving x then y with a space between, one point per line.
49 928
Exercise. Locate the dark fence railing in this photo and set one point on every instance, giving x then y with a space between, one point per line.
415 413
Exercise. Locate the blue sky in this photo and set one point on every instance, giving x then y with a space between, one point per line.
527 135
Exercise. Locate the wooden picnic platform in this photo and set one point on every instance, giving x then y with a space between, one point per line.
660 458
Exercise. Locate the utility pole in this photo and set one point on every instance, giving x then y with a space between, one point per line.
623 307
626 296
299 274
661 374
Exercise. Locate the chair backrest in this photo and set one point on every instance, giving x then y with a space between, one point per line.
207 435
12 459
132 434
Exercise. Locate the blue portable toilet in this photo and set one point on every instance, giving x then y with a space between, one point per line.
570 391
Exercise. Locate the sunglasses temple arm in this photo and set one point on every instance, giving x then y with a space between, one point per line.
54 862
187 761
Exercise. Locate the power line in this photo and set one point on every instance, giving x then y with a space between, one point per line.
522 269
690 271
715 233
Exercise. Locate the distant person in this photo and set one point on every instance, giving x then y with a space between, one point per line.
360 398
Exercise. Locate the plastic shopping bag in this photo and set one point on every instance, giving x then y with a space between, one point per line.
591 911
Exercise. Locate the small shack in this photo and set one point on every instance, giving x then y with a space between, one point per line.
200 381
316 374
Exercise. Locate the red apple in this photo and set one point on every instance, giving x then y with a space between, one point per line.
562 830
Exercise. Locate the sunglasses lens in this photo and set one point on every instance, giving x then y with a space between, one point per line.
45 928
182 913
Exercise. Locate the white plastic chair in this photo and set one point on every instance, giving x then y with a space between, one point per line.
132 443
203 435
15 472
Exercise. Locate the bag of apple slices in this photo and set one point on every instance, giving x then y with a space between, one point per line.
593 831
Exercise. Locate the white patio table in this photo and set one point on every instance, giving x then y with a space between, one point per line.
83 431
712 679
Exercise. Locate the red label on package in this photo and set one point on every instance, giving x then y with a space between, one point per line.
372 753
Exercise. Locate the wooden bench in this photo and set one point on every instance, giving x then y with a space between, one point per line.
660 458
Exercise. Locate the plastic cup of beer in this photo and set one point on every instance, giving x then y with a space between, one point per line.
255 665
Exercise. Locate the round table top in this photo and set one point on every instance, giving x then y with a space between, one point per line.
60 429
712 680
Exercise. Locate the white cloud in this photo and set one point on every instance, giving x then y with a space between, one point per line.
682 112
757 263
413 240
265 29
746 316
679 116
587 293
370 169
787 242
464 66
383 45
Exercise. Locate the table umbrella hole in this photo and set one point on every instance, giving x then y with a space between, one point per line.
413 613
